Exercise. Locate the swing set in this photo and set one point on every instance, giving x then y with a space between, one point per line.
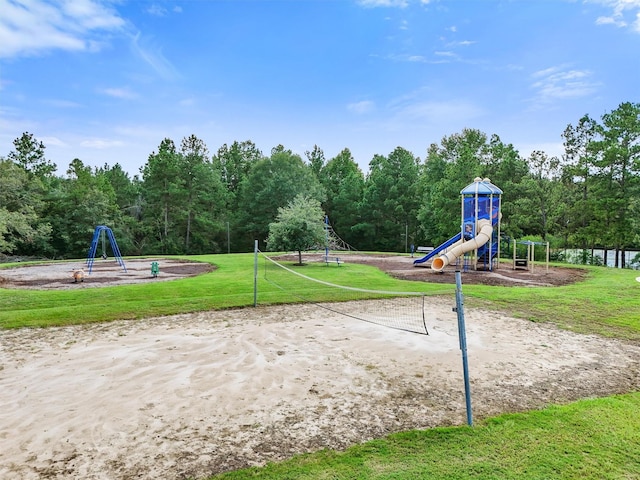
100 235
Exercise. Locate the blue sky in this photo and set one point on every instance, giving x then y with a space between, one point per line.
106 81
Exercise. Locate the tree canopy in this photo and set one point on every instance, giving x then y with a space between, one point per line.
187 201
298 227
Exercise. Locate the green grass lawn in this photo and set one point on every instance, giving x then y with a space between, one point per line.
590 439
607 302
231 285
596 438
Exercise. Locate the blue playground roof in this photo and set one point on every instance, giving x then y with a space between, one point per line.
481 187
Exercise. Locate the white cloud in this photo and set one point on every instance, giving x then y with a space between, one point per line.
438 111
29 27
91 15
52 142
384 3
160 11
445 57
187 102
157 10
462 43
58 103
607 21
559 83
621 11
362 107
100 143
122 93
153 56
441 57
138 131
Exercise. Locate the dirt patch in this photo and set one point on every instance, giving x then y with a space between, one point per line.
104 273
402 267
190 395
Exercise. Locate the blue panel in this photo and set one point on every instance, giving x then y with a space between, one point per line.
438 249
483 208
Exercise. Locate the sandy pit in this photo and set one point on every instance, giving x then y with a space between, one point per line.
190 395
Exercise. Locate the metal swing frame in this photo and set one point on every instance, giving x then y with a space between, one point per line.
103 230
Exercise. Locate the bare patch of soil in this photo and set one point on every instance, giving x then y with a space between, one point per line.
104 273
402 267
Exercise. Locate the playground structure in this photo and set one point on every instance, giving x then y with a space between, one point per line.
333 242
100 235
477 243
527 263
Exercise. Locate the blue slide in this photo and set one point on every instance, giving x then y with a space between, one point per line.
437 250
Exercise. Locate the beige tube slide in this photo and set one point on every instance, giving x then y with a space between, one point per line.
483 236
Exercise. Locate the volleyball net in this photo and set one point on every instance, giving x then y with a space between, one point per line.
393 309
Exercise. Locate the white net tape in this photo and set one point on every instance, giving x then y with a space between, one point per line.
399 310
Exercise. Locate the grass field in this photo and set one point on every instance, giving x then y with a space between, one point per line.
591 439
231 285
594 438
605 303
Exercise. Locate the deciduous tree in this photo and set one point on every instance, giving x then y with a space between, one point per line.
299 226
22 227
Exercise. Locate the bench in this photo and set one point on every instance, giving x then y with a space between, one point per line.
329 260
424 249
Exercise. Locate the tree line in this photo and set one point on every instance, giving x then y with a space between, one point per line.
186 200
